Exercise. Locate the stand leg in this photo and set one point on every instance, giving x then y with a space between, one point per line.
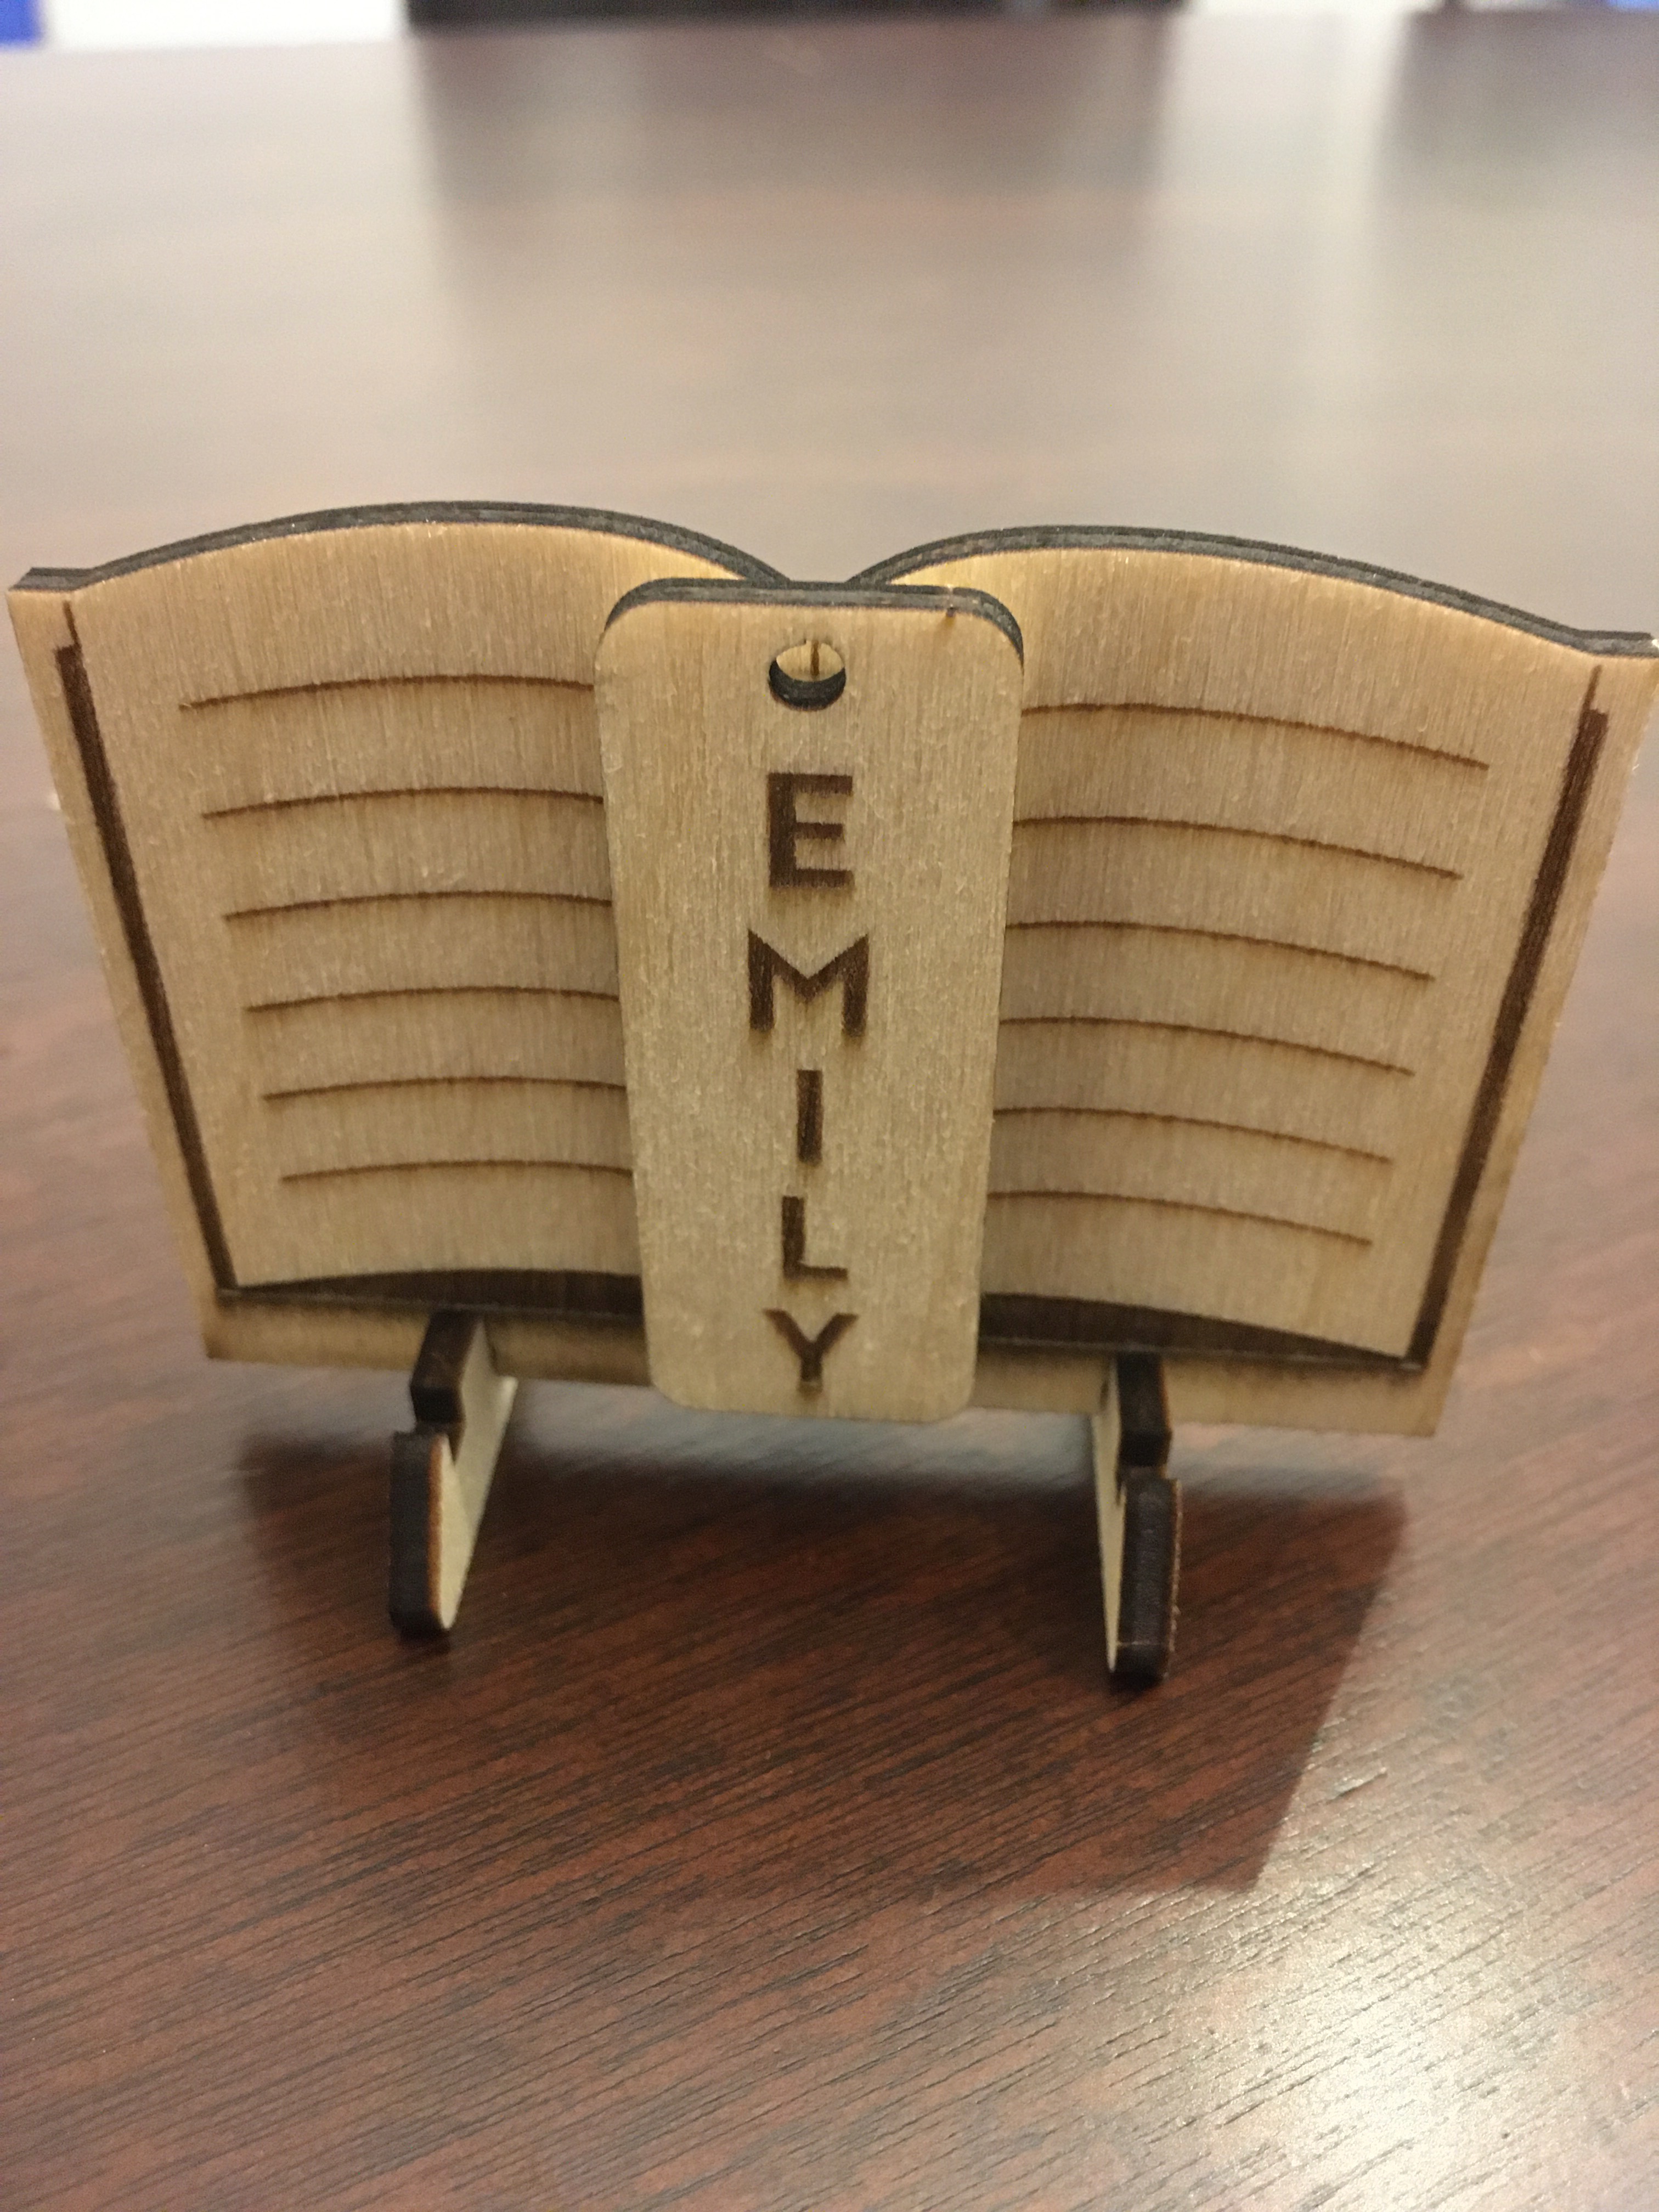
1139 1510
441 1471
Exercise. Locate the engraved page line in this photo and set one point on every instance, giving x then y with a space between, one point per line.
405 791
373 684
439 1082
389 898
432 991
1265 721
410 1167
1238 937
1200 1121
1184 1206
1231 829
1199 1028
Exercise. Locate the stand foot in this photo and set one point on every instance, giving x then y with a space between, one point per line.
441 1471
1139 1510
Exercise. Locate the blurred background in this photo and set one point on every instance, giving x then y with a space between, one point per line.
826 283
1381 283
118 23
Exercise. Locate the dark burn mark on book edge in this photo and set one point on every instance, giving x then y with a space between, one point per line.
555 1293
141 949
1255 552
1022 1318
615 1301
605 522
1576 780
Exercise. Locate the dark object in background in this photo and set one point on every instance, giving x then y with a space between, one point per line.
438 15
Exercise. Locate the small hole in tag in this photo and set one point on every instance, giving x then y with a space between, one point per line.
809 675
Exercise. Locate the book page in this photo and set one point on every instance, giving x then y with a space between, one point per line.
1286 858
1277 838
355 776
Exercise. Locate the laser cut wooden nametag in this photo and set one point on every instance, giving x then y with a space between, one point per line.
808 795
1300 858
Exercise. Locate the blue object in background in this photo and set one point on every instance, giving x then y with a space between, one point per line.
20 23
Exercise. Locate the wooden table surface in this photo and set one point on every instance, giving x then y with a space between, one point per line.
768 1836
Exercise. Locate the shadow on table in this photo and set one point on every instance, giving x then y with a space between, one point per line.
759 1654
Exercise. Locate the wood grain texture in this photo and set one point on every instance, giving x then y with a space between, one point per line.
351 768
1275 988
1278 835
442 1469
878 827
767 1835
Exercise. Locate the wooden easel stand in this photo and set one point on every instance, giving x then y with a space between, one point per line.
441 1471
442 1468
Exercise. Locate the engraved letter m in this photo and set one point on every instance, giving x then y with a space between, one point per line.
851 964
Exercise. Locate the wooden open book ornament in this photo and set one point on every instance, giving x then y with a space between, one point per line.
1093 970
